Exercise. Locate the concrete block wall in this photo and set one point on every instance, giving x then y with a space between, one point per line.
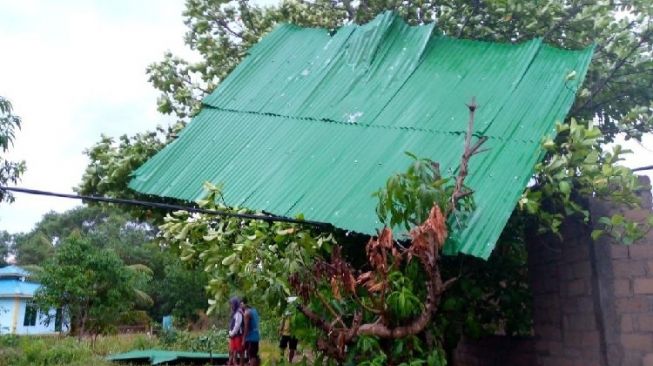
496 350
566 315
593 300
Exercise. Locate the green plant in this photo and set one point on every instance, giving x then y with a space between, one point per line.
92 285
10 171
214 340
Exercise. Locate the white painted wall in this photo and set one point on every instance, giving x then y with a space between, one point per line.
7 316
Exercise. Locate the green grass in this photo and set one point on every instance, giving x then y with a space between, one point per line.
62 350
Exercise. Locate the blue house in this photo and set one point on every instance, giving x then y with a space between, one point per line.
17 313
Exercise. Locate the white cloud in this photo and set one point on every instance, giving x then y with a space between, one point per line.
73 70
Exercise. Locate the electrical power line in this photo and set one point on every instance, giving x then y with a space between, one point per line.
648 167
166 206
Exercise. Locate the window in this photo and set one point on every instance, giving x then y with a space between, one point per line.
58 320
30 315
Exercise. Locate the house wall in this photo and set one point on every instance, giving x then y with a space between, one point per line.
39 327
592 300
7 315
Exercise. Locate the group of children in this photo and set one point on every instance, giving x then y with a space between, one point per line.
244 334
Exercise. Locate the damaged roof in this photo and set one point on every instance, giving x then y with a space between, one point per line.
314 122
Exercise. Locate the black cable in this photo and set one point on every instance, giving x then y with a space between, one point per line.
166 206
648 167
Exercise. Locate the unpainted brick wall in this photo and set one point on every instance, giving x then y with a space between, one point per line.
497 350
593 300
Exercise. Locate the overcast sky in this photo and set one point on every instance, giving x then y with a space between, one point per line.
75 69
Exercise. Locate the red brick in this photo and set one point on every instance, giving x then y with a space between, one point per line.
572 353
632 358
640 251
578 322
567 273
622 288
645 322
576 252
628 268
626 323
590 356
643 285
642 342
591 339
649 267
582 269
578 287
556 361
555 348
639 215
618 251
549 332
648 360
632 305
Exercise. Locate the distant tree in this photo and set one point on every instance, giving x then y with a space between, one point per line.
93 286
179 289
6 242
104 227
176 289
108 175
10 171
33 248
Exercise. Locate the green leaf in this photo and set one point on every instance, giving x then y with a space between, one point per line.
596 234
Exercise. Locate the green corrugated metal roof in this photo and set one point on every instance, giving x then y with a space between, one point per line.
160 357
314 123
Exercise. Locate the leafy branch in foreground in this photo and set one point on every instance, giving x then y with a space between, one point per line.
394 301
575 168
394 296
241 256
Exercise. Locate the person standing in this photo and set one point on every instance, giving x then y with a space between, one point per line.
235 332
251 333
287 338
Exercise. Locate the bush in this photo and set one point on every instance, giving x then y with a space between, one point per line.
8 340
214 340
46 352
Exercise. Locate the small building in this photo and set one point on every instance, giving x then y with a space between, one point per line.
18 315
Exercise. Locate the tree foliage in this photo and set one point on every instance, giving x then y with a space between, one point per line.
258 256
10 171
103 227
576 167
386 305
616 91
176 289
6 244
112 162
252 256
93 286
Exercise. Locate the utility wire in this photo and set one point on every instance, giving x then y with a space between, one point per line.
166 206
648 167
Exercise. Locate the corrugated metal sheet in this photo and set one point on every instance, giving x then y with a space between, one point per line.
12 288
13 271
314 123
